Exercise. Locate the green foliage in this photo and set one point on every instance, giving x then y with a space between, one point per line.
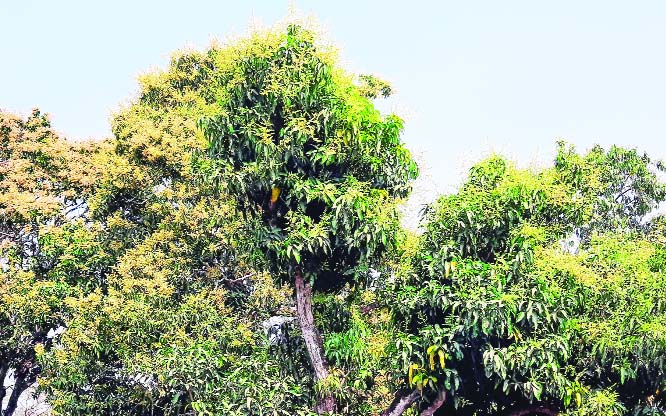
620 185
519 316
301 148
358 345
41 182
138 274
297 143
600 402
171 293
371 87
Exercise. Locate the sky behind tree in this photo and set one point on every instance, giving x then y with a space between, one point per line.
471 78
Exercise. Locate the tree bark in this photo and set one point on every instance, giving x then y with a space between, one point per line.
313 342
19 387
403 400
4 368
436 404
532 410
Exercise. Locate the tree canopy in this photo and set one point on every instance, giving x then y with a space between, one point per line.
235 248
297 143
505 305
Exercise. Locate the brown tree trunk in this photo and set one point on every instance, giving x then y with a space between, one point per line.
535 410
313 342
436 404
19 387
403 400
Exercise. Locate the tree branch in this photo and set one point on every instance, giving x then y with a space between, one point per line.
621 194
238 280
539 410
436 404
20 385
312 339
4 368
403 401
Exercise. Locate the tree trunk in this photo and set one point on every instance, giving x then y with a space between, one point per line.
535 410
313 342
3 373
436 404
19 387
403 400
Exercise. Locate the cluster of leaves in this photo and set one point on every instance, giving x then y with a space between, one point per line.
297 141
42 181
358 345
505 303
167 336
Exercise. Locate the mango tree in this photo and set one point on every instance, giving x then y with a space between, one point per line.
298 144
42 181
537 292
170 319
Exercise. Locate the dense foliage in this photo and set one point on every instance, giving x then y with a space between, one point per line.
173 325
299 145
235 249
42 181
530 291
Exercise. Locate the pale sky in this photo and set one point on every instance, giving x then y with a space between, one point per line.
472 77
